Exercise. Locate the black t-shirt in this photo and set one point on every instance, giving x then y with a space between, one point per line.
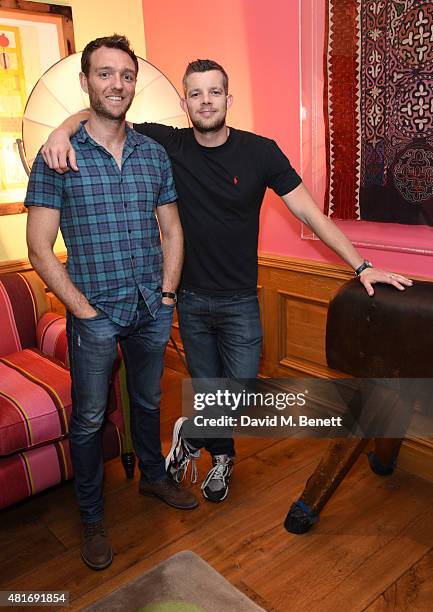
221 190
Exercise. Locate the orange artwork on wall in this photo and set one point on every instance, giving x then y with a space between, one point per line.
31 40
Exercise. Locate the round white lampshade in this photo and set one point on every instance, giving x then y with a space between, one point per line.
58 94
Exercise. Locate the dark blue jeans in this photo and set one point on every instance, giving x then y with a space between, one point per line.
222 338
93 345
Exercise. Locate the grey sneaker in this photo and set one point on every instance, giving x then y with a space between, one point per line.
181 455
216 484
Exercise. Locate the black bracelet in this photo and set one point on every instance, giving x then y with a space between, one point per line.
170 294
365 264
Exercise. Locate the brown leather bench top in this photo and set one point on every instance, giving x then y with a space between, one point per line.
387 335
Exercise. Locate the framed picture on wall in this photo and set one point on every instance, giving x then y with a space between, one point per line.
367 119
32 38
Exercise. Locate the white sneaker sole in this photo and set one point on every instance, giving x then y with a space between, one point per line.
174 441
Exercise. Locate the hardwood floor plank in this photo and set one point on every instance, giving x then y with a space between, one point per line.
352 553
223 538
412 591
158 526
25 546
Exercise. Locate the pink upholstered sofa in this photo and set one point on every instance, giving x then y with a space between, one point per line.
35 394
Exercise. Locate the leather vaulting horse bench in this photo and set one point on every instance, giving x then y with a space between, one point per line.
387 336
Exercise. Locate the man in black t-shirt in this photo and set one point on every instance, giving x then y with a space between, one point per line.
221 176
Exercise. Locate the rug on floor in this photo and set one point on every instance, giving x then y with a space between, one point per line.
181 583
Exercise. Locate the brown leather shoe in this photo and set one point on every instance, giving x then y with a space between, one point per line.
96 551
170 492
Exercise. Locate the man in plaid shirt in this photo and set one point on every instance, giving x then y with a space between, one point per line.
119 285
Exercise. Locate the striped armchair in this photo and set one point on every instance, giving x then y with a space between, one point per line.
35 394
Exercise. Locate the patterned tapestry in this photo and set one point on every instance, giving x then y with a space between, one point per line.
379 110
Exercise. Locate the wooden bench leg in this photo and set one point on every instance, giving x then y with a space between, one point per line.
333 467
376 405
384 457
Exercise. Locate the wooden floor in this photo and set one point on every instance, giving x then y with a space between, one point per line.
372 549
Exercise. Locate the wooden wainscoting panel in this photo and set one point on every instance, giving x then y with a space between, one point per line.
302 321
24 265
296 295
416 457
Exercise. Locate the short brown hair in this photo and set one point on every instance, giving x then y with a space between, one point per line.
116 41
204 65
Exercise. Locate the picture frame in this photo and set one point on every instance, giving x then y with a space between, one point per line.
33 36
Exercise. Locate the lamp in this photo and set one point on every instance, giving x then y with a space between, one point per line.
58 94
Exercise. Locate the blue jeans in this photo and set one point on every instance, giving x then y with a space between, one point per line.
93 346
222 338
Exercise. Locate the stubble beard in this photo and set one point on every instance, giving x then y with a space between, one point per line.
99 109
206 128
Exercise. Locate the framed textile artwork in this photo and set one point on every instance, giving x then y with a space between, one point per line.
33 36
367 74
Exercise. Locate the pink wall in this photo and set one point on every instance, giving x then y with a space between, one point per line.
257 41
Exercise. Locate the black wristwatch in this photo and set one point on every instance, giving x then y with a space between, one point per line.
366 264
170 294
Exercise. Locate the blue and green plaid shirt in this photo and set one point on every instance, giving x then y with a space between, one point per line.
108 221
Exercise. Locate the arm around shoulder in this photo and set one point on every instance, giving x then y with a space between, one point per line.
58 149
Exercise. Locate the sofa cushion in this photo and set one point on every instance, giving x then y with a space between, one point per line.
32 471
35 400
51 337
22 302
